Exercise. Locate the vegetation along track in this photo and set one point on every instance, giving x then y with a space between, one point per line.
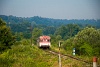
65 55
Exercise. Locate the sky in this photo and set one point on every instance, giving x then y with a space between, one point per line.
57 9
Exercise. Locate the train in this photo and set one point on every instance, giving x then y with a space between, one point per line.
44 41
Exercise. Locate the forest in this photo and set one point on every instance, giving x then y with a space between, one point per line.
81 34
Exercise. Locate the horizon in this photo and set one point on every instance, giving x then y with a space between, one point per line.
50 18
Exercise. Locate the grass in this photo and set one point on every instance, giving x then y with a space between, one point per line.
68 62
31 56
26 56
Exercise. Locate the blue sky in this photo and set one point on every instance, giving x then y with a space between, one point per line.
58 9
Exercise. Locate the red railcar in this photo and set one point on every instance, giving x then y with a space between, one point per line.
44 41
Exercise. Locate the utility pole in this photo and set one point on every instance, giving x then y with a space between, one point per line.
31 32
59 55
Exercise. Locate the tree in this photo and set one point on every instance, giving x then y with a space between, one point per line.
89 37
6 37
49 30
36 33
68 31
19 36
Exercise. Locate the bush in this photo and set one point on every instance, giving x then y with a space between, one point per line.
25 42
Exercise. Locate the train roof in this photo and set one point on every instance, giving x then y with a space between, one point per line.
44 37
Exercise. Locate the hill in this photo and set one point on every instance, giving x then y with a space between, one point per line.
50 21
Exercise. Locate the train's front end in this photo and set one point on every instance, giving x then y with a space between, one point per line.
44 42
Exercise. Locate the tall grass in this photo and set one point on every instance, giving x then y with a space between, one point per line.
25 55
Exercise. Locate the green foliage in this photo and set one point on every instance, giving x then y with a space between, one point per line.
86 49
26 56
68 31
6 37
25 41
27 35
55 40
89 38
58 37
50 22
68 44
49 30
48 25
19 36
6 59
86 42
35 34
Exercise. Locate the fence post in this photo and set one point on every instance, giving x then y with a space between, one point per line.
94 62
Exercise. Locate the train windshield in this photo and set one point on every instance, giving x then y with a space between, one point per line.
44 39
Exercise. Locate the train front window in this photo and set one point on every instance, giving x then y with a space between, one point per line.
41 40
48 40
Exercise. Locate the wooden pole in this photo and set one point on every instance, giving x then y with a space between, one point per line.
59 55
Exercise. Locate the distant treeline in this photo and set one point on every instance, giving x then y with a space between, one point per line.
50 22
47 25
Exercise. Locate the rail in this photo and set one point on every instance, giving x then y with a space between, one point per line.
65 55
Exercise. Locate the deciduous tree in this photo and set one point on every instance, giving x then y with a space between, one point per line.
6 37
89 37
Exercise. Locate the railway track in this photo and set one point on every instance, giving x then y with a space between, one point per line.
65 55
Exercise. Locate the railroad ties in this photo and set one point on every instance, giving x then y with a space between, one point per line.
63 55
